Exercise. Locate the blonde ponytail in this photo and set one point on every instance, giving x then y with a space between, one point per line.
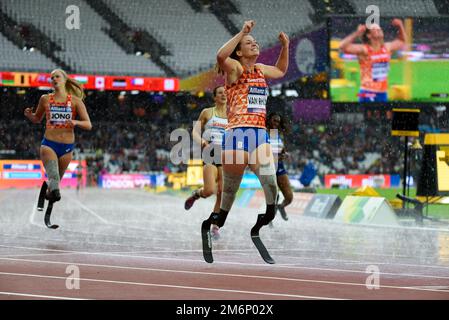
74 88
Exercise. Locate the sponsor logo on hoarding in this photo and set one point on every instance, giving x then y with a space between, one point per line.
374 181
361 180
125 181
300 202
305 56
25 166
341 180
21 175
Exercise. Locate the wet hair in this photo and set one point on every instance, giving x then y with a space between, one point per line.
283 126
365 38
72 86
233 56
214 92
234 53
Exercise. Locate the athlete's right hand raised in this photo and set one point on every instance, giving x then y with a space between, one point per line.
248 26
361 29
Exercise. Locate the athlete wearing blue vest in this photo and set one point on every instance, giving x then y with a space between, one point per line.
276 127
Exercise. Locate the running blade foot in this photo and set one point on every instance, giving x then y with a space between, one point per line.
207 241
48 215
258 242
41 200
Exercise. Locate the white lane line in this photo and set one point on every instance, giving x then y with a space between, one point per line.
29 295
438 288
79 203
245 251
33 212
246 264
444 260
219 274
171 286
34 255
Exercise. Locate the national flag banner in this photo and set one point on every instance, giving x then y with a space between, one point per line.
8 79
99 83
81 79
169 84
91 82
138 81
119 83
43 78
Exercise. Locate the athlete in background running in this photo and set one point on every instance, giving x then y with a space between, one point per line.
208 132
276 126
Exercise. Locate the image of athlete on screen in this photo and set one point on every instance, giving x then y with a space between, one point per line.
374 57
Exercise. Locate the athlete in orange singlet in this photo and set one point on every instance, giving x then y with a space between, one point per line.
374 57
60 109
246 141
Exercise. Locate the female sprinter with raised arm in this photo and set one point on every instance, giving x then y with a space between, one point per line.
374 57
246 141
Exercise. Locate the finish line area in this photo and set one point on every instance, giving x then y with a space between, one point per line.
134 245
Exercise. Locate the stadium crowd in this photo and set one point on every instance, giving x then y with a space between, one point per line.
132 132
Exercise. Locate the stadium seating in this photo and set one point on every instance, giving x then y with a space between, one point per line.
89 49
15 59
192 37
193 40
272 17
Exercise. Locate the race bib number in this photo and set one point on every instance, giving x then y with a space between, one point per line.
60 115
217 136
257 99
380 71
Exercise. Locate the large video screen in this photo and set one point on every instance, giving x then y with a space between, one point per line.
396 59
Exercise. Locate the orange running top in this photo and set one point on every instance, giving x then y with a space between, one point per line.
58 113
247 99
374 69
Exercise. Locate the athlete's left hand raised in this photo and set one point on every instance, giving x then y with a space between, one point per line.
283 39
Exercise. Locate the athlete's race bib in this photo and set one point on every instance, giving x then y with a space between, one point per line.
60 115
380 71
216 135
276 144
257 99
